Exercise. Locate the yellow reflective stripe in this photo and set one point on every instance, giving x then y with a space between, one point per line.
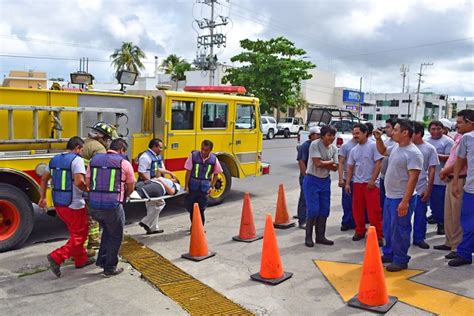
86 162
112 180
94 176
208 170
63 180
196 174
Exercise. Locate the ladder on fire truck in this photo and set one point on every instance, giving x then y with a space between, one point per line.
55 114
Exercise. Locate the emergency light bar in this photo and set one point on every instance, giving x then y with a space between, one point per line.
219 89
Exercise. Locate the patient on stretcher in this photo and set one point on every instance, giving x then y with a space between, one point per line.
156 187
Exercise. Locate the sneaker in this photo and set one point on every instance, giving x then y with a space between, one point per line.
440 230
145 227
108 274
386 259
451 255
396 267
458 261
422 244
87 263
302 225
54 267
158 231
357 237
442 247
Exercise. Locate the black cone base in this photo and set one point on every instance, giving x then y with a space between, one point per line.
189 257
257 277
354 302
237 238
284 225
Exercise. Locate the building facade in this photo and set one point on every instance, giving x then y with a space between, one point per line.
379 107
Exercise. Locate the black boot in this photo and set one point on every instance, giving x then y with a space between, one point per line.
308 241
320 229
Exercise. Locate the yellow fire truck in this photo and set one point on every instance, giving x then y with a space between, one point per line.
35 124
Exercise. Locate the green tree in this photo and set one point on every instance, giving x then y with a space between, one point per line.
128 57
176 67
272 71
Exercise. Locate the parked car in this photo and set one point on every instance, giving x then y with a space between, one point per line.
342 120
243 122
269 126
290 125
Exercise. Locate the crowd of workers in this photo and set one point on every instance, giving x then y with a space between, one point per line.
92 180
390 182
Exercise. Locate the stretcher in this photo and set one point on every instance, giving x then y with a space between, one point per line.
149 199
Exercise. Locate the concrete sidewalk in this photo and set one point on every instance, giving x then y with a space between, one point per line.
306 293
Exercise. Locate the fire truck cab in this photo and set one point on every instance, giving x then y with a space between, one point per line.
35 124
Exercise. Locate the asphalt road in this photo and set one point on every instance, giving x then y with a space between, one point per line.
279 152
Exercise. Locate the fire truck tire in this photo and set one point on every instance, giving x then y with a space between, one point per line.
16 217
223 184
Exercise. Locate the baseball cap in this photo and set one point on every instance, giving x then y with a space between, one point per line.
314 130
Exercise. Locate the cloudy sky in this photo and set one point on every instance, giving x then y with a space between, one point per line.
352 38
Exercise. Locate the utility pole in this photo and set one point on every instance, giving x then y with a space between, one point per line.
209 61
420 74
360 96
403 70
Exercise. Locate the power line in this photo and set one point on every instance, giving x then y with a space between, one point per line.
408 47
59 58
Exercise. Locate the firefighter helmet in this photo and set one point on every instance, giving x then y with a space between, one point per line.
104 128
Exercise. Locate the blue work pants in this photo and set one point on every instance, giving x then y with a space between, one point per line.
437 203
347 219
397 231
419 221
466 247
301 203
112 223
382 193
318 195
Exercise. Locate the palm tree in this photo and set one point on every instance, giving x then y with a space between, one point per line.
176 67
128 57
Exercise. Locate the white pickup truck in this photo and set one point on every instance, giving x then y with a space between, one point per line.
290 125
342 120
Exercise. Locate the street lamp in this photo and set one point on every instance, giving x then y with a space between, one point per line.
125 77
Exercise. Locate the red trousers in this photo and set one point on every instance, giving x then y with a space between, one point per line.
77 223
365 199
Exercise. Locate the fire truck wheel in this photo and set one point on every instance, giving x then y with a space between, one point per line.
16 217
222 187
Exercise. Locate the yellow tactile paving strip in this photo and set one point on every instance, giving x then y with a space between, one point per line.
194 296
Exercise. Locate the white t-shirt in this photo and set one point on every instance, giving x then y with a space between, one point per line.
400 160
363 158
344 151
443 147
430 158
144 162
168 182
466 151
319 150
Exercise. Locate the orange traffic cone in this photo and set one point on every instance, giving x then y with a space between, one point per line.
198 250
282 219
271 269
247 231
372 288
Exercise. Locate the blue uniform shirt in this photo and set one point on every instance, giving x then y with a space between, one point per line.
303 152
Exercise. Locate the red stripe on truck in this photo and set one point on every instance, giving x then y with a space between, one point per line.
175 164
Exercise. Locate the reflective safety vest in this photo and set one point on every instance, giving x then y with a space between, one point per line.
156 162
201 173
61 172
106 181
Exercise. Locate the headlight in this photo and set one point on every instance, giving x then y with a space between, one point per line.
40 169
